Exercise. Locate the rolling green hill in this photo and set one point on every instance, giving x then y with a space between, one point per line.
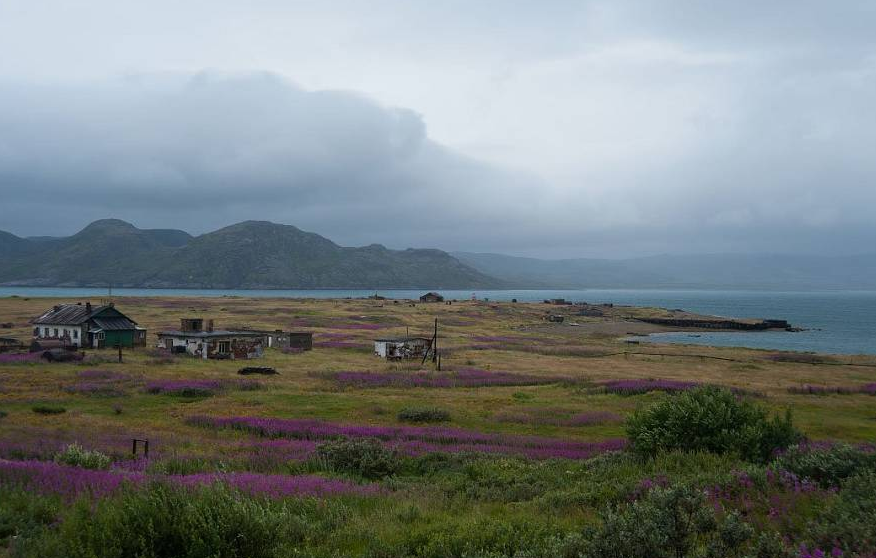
253 254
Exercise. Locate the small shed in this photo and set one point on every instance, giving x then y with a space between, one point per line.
431 297
399 348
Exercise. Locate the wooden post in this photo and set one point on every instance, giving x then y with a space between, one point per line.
120 351
435 343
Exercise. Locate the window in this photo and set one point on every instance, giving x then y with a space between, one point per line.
45 332
75 334
56 332
224 347
101 336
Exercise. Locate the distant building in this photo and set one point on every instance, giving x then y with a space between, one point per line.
84 325
431 297
280 339
402 347
199 338
556 318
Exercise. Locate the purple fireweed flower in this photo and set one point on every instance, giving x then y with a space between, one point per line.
96 389
200 387
10 358
70 482
636 387
423 439
184 387
103 375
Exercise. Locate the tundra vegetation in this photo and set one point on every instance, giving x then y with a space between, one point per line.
535 439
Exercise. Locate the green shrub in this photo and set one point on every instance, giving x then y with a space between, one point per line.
48 409
366 457
710 419
3 414
668 523
827 466
23 514
77 456
848 522
162 521
423 414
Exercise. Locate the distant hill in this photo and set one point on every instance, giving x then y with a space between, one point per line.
253 254
706 271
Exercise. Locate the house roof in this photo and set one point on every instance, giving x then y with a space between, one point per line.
79 314
66 314
114 324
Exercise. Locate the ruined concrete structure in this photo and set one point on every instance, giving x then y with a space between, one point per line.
399 348
200 338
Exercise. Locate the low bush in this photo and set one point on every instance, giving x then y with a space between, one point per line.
3 414
423 414
710 419
77 456
668 523
48 409
162 521
848 522
24 514
366 457
828 466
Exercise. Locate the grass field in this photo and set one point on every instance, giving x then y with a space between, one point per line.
495 479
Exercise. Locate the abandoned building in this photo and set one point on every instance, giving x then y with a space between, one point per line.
199 338
9 343
280 339
84 325
556 318
431 297
402 347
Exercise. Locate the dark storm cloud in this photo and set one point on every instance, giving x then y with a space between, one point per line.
201 152
594 128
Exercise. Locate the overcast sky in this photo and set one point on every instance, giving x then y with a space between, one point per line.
549 128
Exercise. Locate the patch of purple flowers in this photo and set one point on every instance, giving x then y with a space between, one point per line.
415 440
465 377
70 482
200 388
637 387
184 387
12 358
99 383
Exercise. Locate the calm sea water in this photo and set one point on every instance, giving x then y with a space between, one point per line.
841 322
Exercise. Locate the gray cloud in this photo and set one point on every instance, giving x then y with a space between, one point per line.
620 127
